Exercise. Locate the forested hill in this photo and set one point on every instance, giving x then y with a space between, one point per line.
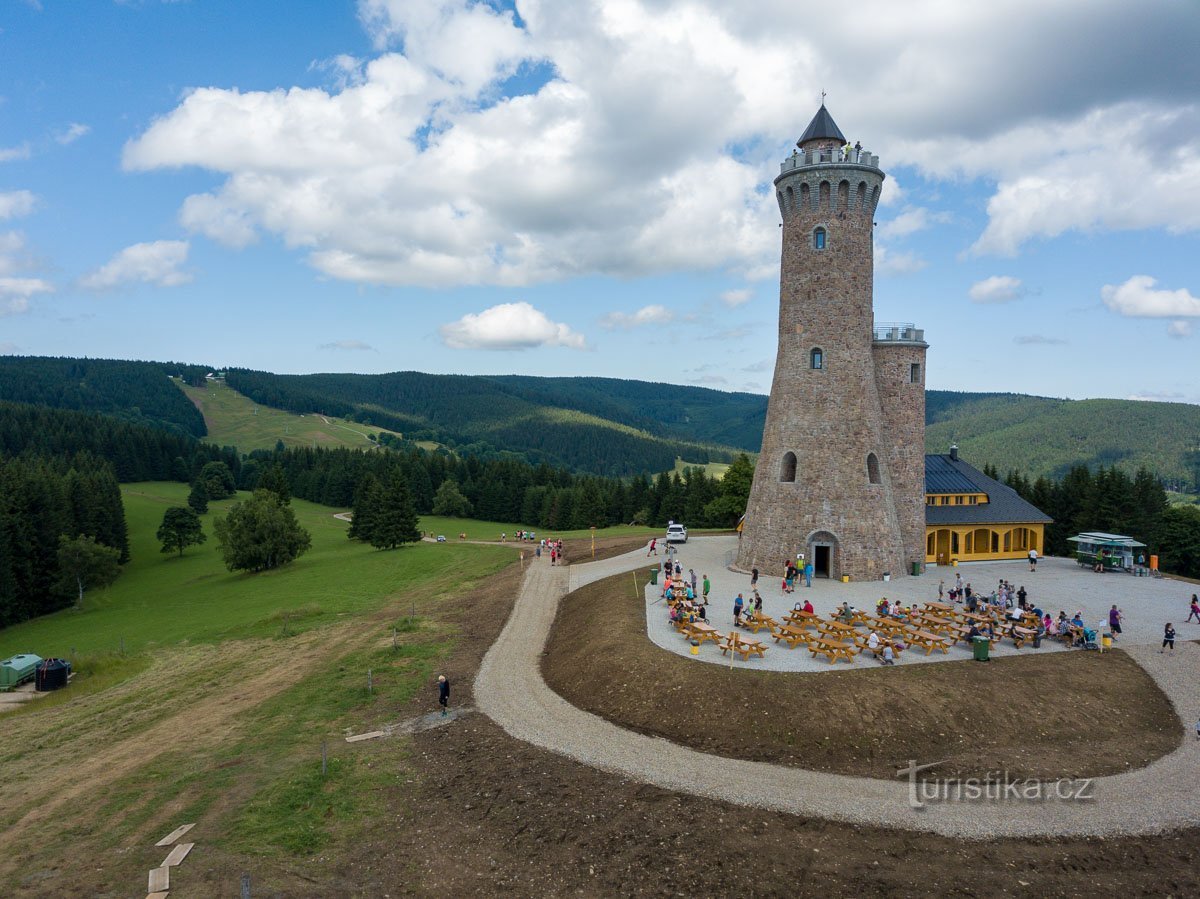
604 426
617 427
1044 436
138 392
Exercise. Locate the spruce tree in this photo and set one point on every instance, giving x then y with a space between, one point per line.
198 499
395 520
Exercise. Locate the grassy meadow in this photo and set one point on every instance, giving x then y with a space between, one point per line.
161 599
236 420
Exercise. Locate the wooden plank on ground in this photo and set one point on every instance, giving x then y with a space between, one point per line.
367 736
178 854
174 835
160 880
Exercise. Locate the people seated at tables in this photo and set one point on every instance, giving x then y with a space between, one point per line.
757 605
806 608
1016 615
974 631
1077 621
1049 626
873 641
700 613
845 614
888 657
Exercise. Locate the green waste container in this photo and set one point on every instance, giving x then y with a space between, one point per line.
916 569
981 646
654 576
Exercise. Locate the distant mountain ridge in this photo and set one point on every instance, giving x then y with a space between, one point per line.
616 426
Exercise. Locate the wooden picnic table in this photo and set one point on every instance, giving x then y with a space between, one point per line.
1022 635
701 631
801 618
832 649
744 648
758 622
928 640
940 606
834 626
793 634
891 625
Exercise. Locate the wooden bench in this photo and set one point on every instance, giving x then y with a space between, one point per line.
744 648
793 634
1022 635
758 622
929 641
701 632
832 650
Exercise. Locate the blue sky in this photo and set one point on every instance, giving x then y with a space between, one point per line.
584 188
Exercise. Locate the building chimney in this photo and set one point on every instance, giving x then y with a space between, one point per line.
954 452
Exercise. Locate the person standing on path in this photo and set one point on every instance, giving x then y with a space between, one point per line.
1168 637
958 583
443 693
808 573
553 556
737 610
1195 610
753 577
653 551
692 578
1033 560
1114 621
941 589
707 587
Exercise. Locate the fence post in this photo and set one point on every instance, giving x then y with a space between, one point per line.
324 761
370 684
245 886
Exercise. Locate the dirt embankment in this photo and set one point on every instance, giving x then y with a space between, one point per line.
1044 715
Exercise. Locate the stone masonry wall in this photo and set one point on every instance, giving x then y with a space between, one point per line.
903 405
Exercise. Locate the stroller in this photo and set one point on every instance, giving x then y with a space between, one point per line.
1089 639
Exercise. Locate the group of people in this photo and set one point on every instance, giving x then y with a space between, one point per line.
792 571
521 536
553 547
686 595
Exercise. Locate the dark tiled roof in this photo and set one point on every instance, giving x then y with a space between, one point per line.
822 125
1004 505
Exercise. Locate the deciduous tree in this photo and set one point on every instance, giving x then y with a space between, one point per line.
260 533
180 529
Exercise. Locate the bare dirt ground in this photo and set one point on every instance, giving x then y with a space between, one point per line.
979 718
471 811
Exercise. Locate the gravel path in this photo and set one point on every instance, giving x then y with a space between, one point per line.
509 688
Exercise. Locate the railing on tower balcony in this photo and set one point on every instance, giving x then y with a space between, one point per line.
897 332
853 156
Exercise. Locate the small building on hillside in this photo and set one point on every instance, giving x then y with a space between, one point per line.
971 517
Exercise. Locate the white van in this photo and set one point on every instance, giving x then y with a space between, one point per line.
676 533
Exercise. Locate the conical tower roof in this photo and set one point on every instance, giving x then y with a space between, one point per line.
821 127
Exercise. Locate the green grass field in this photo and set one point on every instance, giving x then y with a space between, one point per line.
236 420
163 599
712 469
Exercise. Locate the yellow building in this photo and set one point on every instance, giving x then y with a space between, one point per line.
970 517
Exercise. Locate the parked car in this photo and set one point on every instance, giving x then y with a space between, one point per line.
441 538
676 533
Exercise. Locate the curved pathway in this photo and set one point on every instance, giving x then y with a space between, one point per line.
510 689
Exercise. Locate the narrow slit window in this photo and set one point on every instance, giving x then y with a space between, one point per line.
787 469
816 359
819 239
914 373
872 468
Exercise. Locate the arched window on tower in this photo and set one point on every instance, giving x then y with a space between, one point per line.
816 359
873 469
823 194
843 194
861 201
791 199
787 468
818 238
805 197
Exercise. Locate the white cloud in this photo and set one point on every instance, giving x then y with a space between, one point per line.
72 133
17 287
1157 396
996 289
910 222
16 203
1138 298
647 315
738 297
8 349
157 262
890 263
346 345
649 130
1180 328
8 154
508 326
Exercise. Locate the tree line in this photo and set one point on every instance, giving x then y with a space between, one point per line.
62 528
1110 501
137 451
139 392
510 490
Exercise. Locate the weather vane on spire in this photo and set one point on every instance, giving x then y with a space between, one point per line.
822 96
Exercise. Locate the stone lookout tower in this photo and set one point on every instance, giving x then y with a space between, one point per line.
840 478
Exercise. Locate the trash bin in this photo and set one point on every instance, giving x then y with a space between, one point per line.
654 575
845 578
916 569
1106 641
981 647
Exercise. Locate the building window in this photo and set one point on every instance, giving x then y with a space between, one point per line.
972 500
819 239
816 359
958 500
787 468
872 469
914 373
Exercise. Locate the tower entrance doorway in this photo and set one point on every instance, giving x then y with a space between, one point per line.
822 549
